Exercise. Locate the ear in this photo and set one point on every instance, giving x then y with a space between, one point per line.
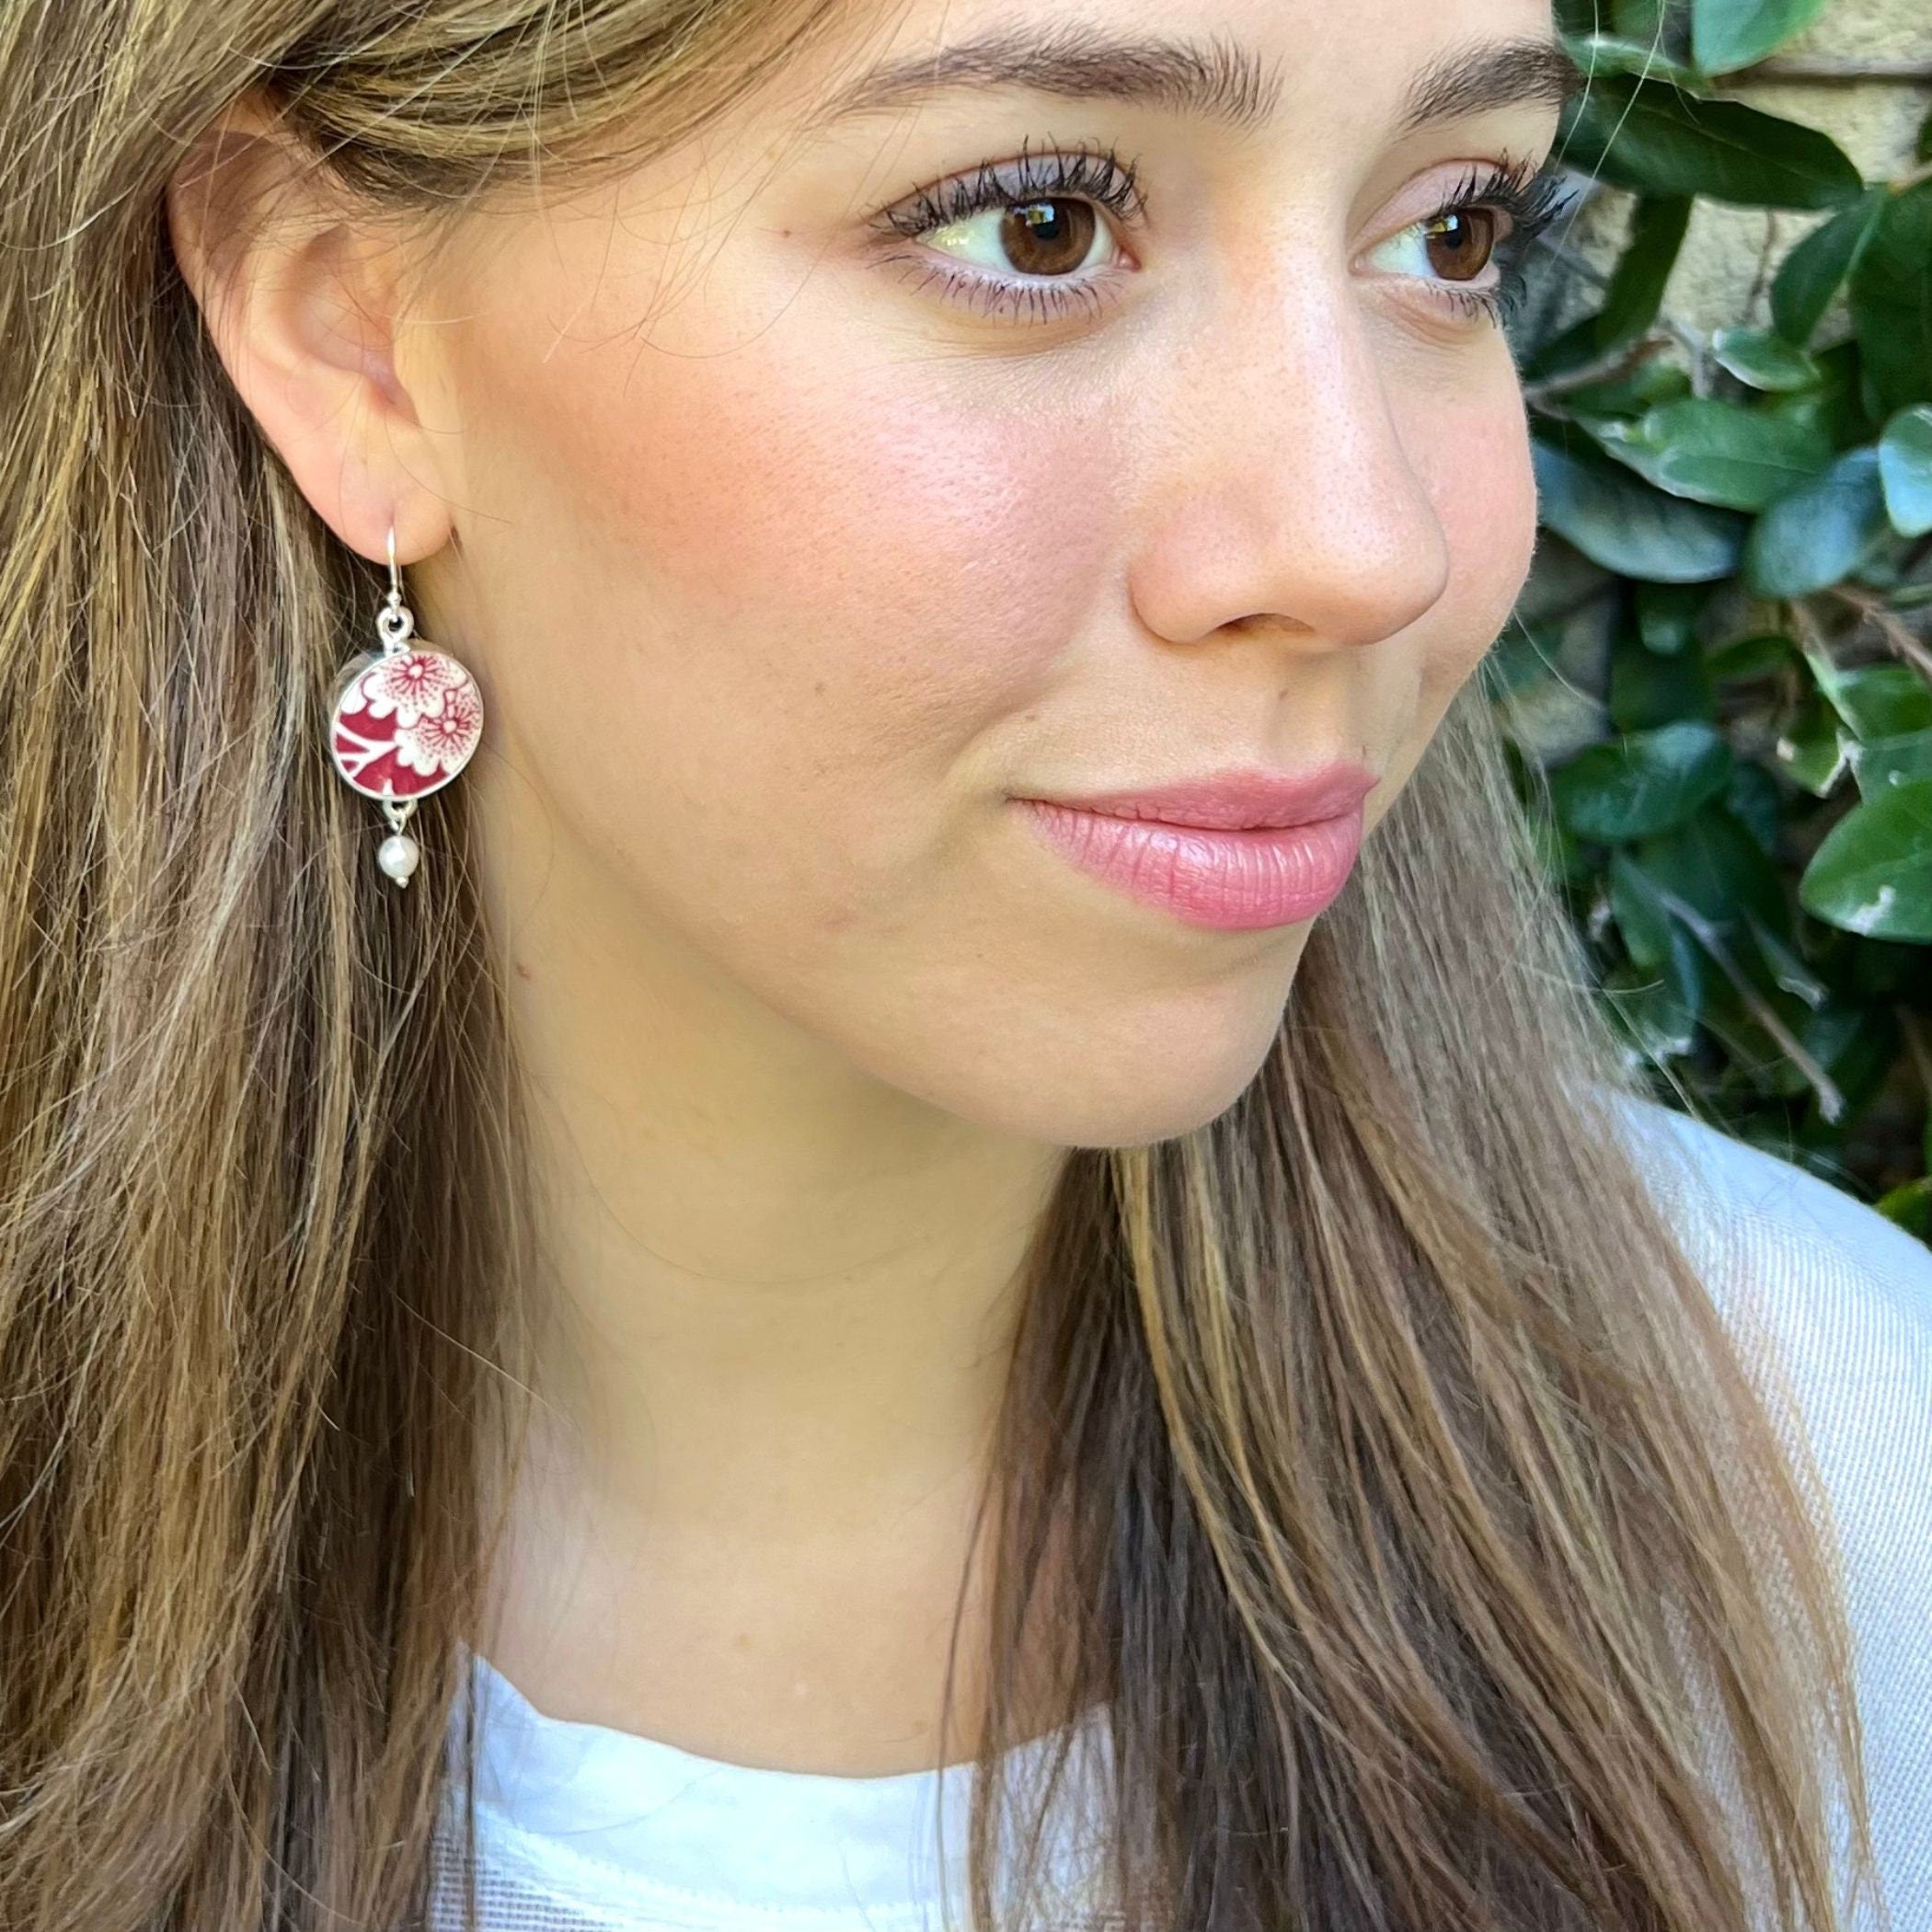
299 287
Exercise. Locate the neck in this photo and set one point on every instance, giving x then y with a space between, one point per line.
776 1315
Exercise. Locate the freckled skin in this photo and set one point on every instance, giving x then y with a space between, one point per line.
780 571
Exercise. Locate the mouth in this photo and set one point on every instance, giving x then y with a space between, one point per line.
1241 798
1235 851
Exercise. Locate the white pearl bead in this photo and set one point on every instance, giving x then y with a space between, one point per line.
397 856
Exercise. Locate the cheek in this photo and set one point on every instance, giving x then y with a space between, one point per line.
805 595
904 571
1470 451
1475 465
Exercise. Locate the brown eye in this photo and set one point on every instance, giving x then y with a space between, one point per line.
1047 237
1459 244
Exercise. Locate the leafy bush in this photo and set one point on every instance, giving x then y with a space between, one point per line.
1719 687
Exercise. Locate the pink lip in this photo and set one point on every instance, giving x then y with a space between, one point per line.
1234 851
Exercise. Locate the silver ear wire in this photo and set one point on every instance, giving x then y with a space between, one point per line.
396 623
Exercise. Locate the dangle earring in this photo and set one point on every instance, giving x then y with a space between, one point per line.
403 724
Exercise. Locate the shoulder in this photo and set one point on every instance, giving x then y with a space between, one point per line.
1842 1298
1839 1291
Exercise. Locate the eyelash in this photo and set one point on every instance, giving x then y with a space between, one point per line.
1528 195
1532 197
1095 174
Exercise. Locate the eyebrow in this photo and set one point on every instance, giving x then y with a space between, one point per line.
1493 74
1215 79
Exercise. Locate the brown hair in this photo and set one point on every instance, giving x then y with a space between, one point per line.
1411 1498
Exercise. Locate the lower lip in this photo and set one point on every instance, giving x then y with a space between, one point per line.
1233 882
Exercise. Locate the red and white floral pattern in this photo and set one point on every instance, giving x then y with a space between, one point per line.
406 725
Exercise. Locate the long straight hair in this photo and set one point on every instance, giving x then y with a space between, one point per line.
1405 1494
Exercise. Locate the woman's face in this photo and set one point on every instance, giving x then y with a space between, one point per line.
808 517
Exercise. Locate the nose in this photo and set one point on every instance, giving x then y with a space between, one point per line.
1285 497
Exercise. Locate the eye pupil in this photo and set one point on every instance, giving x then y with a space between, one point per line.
1047 237
1460 243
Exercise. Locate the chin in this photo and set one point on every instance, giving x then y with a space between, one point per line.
1085 1085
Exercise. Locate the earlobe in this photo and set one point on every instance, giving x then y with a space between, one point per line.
297 286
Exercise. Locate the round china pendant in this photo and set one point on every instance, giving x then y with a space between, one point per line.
405 723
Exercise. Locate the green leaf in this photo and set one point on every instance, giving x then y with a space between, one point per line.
1853 1044
1730 34
1922 147
1815 750
1910 1204
1545 680
1719 453
1716 866
1644 783
1875 700
1635 389
1646 690
1563 859
1764 360
1549 677
1658 140
1632 296
1640 917
1905 470
1810 274
1617 521
1659 995
1879 763
1892 299
1834 405
1873 872
1754 657
1754 798
1667 615
1786 966
1596 53
1659 1008
1881 700
1646 21
1819 533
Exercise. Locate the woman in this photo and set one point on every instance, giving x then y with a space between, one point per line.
633 1222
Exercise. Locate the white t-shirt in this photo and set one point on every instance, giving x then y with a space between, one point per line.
582 1827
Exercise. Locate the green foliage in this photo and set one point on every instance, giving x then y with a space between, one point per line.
1725 35
1905 470
1653 136
1719 679
1811 273
1891 288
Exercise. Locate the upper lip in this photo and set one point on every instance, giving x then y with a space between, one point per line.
1240 797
